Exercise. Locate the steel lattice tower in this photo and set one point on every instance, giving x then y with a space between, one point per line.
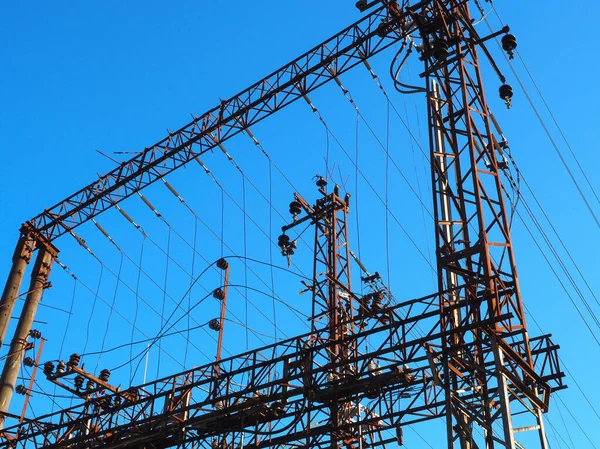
475 364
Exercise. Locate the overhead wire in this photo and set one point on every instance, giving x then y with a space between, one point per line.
557 257
162 310
549 135
90 319
377 194
552 116
112 308
62 343
223 241
137 301
133 290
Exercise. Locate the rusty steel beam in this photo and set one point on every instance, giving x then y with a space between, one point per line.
370 35
473 242
290 386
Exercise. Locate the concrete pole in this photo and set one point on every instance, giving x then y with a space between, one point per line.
21 258
18 346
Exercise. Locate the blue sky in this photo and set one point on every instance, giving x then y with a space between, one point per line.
114 76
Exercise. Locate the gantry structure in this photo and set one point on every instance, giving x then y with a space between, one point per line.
363 369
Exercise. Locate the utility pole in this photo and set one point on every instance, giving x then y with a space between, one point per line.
21 257
19 345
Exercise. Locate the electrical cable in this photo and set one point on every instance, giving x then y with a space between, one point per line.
162 311
402 228
111 307
549 135
62 343
576 422
89 323
552 116
137 303
224 244
191 287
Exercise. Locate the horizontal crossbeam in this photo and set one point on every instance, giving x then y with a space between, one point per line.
375 32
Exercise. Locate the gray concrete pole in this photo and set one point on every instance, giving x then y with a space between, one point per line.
21 258
18 345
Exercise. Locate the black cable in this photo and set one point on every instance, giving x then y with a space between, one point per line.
62 343
89 323
164 298
137 299
549 135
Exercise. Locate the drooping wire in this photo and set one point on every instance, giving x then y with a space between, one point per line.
187 343
164 299
112 308
272 271
245 245
387 198
556 255
62 343
137 303
89 323
576 422
356 184
377 194
135 264
563 365
550 138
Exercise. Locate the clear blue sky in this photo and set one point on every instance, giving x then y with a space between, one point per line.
114 76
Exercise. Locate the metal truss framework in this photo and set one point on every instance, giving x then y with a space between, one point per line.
463 354
279 394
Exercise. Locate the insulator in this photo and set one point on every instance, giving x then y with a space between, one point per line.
61 367
295 208
372 366
383 29
34 333
219 294
90 385
506 93
117 401
399 435
278 408
214 324
48 368
509 44
222 264
361 5
376 304
78 381
21 389
104 375
372 393
321 182
219 405
28 361
74 360
440 50
283 240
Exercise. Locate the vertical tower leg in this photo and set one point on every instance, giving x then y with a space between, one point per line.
21 258
39 277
